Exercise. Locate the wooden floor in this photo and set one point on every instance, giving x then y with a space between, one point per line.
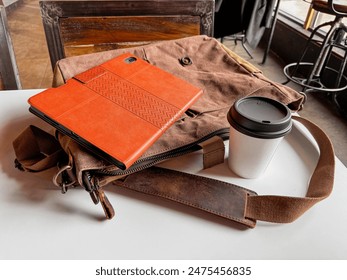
29 44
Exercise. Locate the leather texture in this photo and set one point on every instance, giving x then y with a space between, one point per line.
44 152
281 209
216 197
234 202
118 107
213 151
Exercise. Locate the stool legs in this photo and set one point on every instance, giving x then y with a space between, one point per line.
239 37
343 64
313 80
325 51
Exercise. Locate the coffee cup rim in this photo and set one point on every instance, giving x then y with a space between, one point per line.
260 128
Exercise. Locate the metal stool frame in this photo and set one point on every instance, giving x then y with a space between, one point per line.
333 39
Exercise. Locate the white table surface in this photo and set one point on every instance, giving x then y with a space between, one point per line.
38 222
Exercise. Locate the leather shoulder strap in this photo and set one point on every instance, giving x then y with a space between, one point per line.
281 209
220 198
234 202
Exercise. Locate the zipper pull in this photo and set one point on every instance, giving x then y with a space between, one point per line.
97 194
105 203
87 184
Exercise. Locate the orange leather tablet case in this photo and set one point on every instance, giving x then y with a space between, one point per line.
117 109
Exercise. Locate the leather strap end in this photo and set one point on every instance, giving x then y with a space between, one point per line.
212 196
37 150
213 151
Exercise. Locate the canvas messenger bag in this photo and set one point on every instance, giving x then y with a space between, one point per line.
224 78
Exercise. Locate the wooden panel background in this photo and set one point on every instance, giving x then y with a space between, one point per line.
145 21
82 35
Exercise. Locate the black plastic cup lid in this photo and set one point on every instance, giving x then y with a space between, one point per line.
260 117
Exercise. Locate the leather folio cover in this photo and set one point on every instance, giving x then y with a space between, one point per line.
117 109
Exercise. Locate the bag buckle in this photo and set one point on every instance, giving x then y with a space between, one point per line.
62 179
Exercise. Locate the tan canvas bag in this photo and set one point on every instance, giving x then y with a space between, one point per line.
224 77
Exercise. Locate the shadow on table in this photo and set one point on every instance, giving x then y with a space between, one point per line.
37 188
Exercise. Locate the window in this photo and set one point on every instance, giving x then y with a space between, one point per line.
295 10
299 11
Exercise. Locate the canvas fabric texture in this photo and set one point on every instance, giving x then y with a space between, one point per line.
223 76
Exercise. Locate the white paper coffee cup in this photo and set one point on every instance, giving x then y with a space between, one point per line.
258 124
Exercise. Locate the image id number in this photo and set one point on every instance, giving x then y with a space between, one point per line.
205 270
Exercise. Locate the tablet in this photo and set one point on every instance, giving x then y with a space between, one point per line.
117 109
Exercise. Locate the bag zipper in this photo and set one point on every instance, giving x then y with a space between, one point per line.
96 192
144 163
